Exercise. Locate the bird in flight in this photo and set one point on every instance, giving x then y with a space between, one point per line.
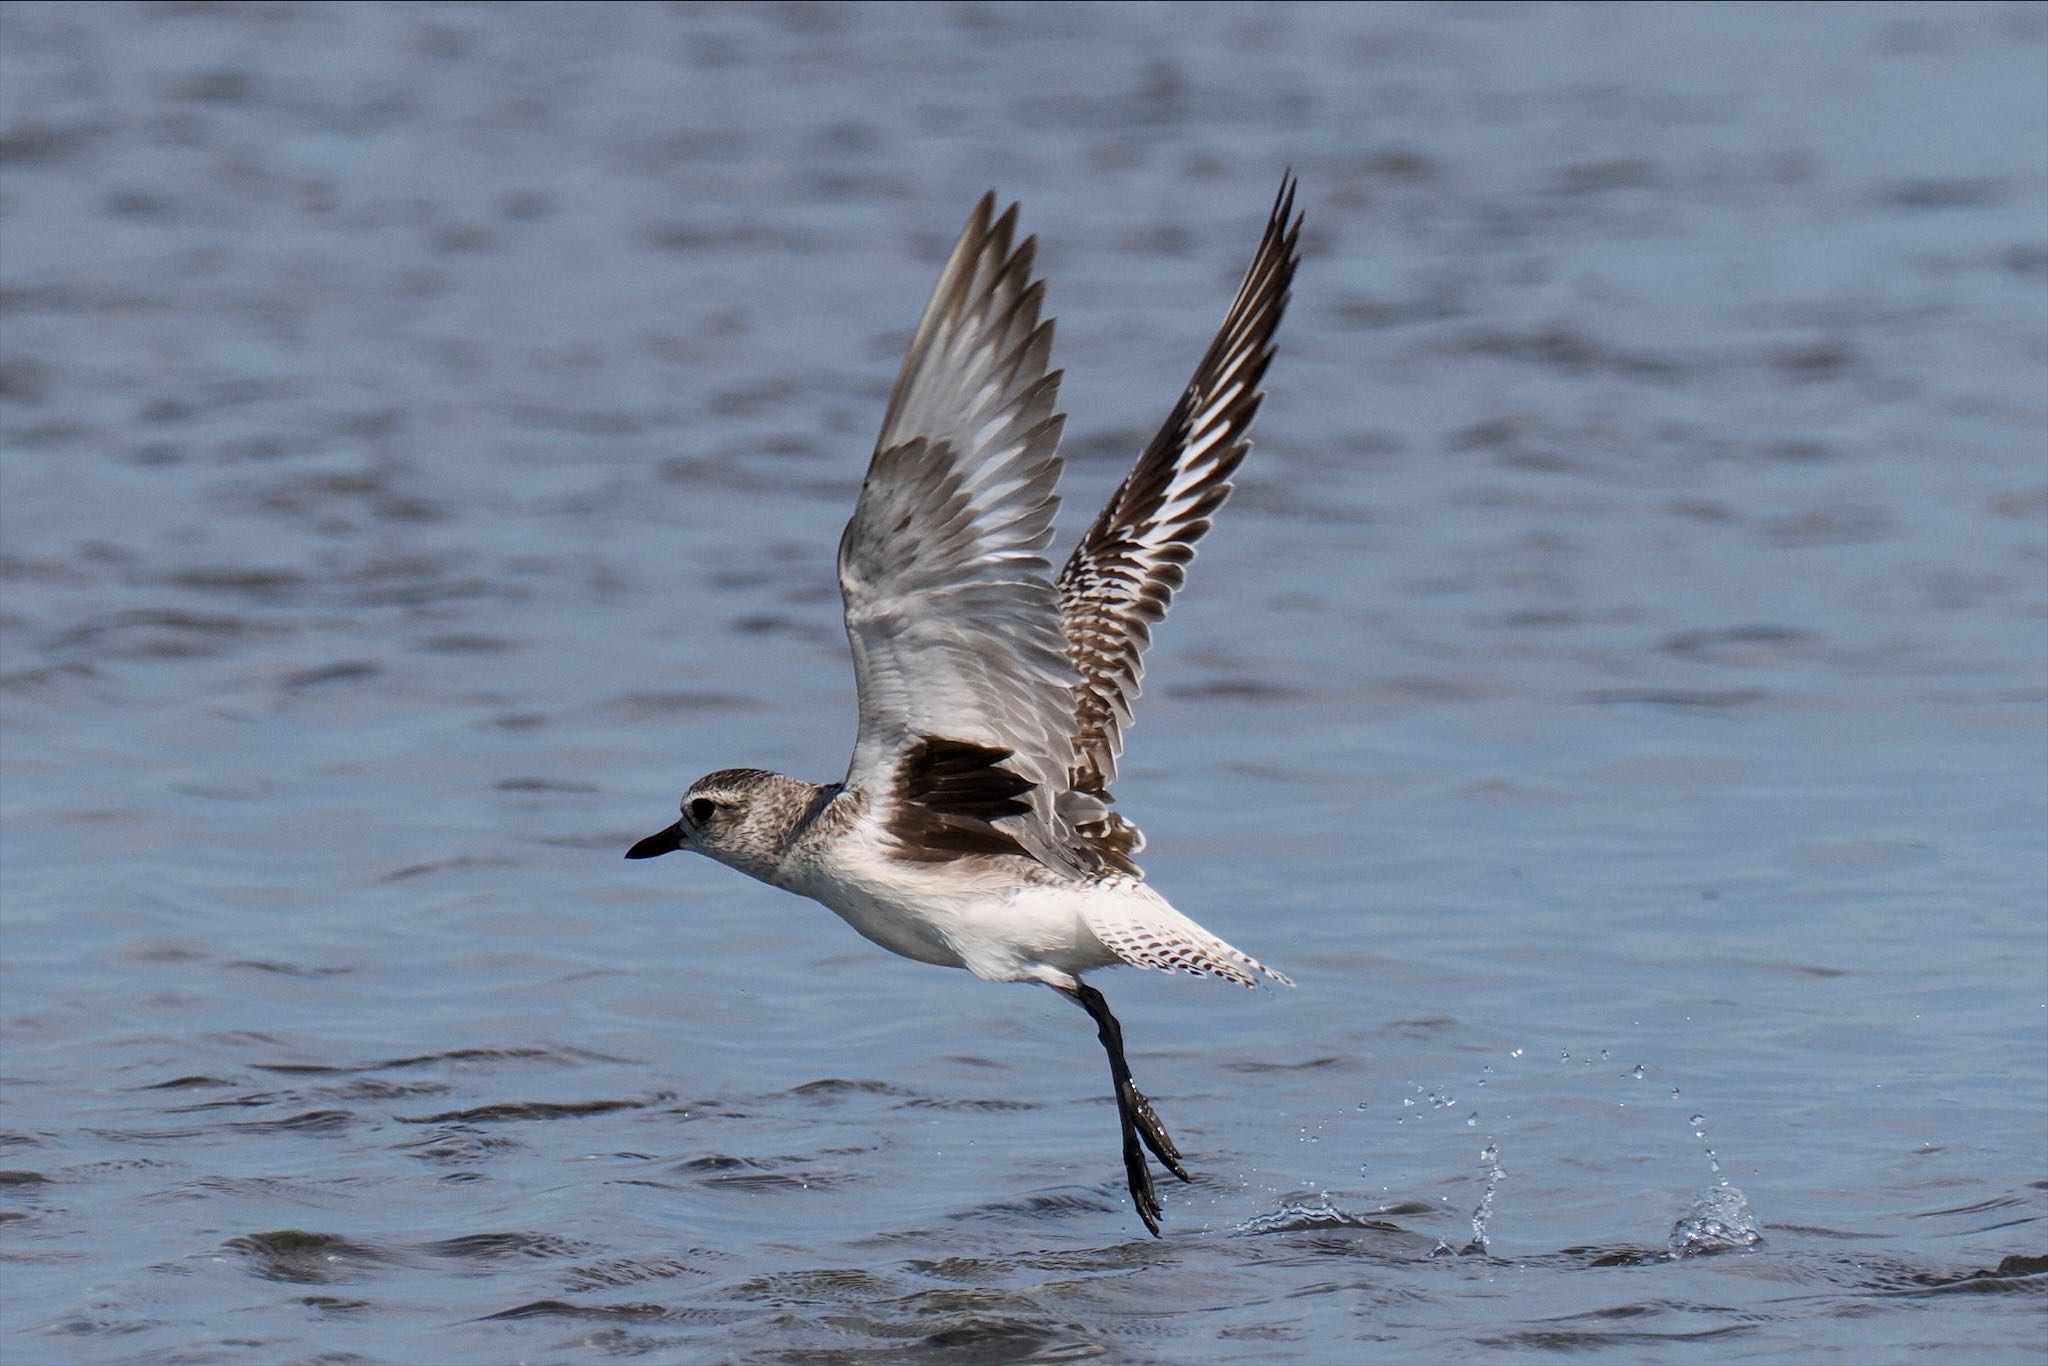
975 827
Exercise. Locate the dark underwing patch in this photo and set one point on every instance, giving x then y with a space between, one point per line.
948 794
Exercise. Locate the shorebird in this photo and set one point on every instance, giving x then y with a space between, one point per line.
974 828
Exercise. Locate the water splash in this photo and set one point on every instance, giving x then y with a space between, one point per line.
1720 1220
1296 1217
1489 1159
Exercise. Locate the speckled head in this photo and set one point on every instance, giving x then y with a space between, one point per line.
742 817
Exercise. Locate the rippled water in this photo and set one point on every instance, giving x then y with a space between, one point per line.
1618 694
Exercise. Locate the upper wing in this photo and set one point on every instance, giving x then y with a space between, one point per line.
1122 576
966 690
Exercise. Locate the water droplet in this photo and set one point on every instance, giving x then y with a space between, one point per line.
1364 1104
1637 1073
1697 1121
1472 1120
1564 1055
1674 1093
1516 1054
1407 1102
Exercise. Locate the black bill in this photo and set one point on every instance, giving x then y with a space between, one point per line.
659 843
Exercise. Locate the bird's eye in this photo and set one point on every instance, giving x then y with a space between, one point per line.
701 809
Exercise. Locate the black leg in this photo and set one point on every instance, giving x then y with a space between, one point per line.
1133 1112
1149 1127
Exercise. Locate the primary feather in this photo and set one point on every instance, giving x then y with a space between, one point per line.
1121 578
950 607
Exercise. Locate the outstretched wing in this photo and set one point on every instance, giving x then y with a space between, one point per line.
1122 576
966 710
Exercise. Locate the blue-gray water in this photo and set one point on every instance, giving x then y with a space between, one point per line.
1618 692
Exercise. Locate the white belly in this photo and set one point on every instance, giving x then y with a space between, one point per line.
963 914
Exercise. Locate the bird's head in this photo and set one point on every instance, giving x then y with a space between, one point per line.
741 817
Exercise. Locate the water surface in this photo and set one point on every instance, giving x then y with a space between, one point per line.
1616 693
